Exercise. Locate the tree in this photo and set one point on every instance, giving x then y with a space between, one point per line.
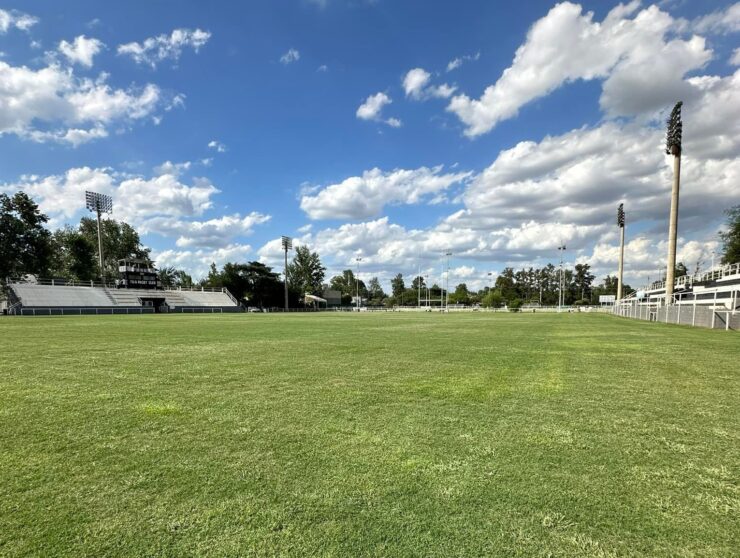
731 237
375 292
397 286
264 287
493 299
418 282
172 277
305 273
348 284
25 244
120 241
680 270
74 256
583 279
461 295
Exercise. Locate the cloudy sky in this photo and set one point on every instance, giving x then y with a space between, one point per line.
387 130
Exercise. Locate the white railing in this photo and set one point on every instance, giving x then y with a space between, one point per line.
714 274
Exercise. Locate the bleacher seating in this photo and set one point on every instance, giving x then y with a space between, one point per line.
34 295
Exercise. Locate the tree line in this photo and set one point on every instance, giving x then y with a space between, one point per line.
27 246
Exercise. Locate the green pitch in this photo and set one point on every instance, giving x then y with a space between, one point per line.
368 435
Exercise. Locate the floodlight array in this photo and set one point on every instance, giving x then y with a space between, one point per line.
98 202
674 129
620 215
287 243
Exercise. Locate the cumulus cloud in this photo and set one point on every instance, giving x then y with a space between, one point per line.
212 233
51 104
291 56
81 51
197 262
568 45
13 19
416 85
359 197
154 50
372 109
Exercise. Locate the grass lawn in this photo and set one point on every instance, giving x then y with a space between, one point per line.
368 435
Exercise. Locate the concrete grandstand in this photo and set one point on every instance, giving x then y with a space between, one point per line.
32 296
708 299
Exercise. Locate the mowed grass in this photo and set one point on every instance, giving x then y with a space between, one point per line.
368 435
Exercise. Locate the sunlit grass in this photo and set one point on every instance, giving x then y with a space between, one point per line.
383 435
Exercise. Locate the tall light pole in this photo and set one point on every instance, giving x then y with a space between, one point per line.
561 298
99 203
620 224
673 147
447 283
357 282
287 243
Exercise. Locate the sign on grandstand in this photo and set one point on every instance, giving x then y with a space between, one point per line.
607 299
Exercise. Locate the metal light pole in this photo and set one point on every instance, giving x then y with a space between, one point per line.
357 282
447 283
673 147
287 245
99 203
620 224
561 298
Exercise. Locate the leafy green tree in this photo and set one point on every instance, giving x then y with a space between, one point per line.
398 286
461 295
493 299
375 292
347 284
731 237
583 279
172 277
120 241
74 256
25 244
306 273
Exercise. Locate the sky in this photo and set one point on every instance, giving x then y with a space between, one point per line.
391 131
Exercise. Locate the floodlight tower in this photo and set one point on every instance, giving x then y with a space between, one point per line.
287 243
620 224
357 282
674 130
447 283
561 298
99 203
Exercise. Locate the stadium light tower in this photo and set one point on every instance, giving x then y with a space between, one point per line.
561 298
620 224
99 203
358 259
447 283
287 243
674 130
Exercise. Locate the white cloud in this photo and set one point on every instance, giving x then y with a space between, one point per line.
415 81
81 51
721 21
164 47
51 104
291 56
372 109
323 68
197 262
455 63
567 45
217 145
212 233
365 196
735 58
416 85
15 19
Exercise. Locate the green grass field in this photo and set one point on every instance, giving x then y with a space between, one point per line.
368 435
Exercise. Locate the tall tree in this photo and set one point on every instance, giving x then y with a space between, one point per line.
74 256
461 295
731 237
375 292
348 284
397 286
25 244
172 277
583 279
306 273
120 241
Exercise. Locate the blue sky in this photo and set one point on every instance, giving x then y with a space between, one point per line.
365 128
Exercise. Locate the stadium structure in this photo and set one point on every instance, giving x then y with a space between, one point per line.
138 290
708 299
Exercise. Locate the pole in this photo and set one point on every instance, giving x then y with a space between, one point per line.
621 264
285 281
100 248
673 229
357 282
